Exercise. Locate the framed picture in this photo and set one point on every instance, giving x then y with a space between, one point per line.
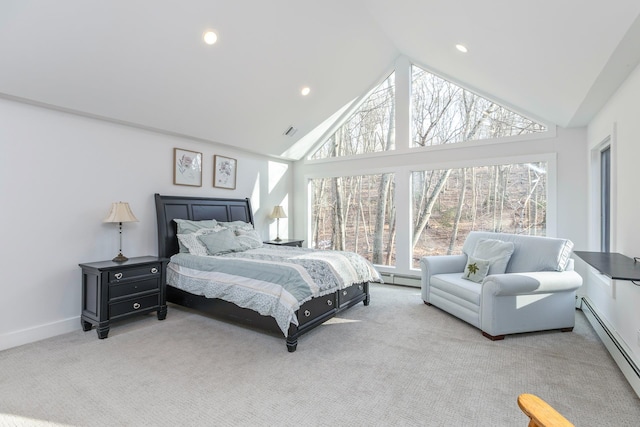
224 172
187 167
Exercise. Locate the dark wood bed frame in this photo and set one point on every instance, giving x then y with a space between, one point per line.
311 314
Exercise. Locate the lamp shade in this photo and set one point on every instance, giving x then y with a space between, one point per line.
120 212
278 212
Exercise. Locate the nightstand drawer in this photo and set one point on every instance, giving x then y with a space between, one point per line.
131 288
132 273
134 304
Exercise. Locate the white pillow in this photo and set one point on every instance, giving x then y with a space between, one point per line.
497 252
476 269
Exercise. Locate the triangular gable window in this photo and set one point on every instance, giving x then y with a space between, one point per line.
370 129
444 113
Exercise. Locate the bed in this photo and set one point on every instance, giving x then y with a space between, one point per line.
186 273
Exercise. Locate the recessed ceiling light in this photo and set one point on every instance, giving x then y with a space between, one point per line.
305 91
210 37
462 48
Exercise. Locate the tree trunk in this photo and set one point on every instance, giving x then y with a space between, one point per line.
339 233
456 223
426 215
318 211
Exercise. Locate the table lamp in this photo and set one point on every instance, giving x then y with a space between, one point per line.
278 213
120 212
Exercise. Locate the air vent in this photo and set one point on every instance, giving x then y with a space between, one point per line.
291 131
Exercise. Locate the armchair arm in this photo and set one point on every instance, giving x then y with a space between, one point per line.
439 264
539 282
442 264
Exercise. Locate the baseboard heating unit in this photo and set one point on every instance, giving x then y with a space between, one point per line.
614 345
402 280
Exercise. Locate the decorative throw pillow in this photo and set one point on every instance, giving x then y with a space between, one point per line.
237 225
476 269
191 242
192 245
497 252
220 242
248 239
187 226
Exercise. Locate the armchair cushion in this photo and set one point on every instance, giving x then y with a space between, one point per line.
497 252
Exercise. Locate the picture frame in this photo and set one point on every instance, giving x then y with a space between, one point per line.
187 167
224 172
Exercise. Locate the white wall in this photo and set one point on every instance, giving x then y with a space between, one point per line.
565 148
619 301
59 174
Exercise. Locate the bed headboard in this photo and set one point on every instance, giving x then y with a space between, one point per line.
195 209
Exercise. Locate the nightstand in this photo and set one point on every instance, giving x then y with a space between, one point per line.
285 242
116 290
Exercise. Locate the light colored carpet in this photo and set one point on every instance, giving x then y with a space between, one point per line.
397 362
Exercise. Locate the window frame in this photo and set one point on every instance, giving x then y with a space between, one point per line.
402 70
605 199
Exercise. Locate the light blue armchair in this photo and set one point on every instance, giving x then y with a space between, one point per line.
529 289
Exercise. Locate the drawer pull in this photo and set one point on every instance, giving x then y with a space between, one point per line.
154 270
329 302
307 313
136 305
118 276
345 293
360 287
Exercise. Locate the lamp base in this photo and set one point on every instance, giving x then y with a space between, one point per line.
277 239
120 258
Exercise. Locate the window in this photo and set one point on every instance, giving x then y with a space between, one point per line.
370 129
444 113
605 199
355 213
448 203
438 195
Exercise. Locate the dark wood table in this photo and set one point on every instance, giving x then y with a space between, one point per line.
613 265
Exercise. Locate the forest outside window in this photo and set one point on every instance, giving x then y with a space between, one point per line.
449 203
370 129
355 213
444 113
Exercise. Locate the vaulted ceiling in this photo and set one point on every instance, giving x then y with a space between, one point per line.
144 63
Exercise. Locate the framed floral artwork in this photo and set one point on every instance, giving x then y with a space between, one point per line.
187 167
224 172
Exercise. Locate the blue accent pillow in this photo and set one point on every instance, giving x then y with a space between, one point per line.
220 242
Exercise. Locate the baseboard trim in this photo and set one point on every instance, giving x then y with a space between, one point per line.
614 345
37 333
400 279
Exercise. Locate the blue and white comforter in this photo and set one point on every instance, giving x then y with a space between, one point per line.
272 280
